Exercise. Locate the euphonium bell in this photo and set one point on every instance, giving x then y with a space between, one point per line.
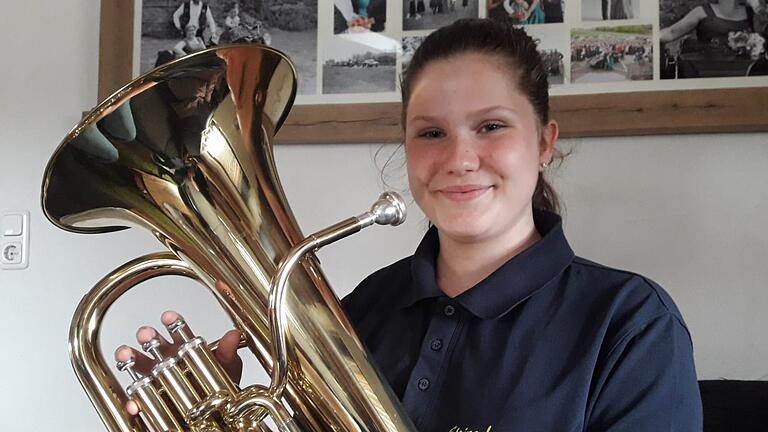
186 152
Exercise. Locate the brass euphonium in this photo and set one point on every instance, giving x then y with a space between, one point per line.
186 152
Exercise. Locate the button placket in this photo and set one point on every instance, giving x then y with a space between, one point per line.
429 368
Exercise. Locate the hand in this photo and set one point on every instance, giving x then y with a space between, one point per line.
226 353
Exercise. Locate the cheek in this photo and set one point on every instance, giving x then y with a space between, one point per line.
418 165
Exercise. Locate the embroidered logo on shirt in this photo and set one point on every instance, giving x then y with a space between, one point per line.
469 429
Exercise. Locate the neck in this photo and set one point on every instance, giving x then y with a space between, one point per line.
727 5
462 265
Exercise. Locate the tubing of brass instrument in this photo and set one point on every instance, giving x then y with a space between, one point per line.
154 411
258 397
201 363
389 209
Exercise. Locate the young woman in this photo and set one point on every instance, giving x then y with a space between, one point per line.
494 324
716 19
190 44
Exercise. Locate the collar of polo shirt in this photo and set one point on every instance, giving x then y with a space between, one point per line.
512 283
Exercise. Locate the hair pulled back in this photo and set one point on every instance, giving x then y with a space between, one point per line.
502 41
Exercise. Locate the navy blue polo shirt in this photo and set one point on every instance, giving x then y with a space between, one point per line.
548 342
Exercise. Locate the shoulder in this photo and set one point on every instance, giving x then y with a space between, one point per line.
379 291
701 11
627 300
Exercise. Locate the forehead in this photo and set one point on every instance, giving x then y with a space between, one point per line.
467 79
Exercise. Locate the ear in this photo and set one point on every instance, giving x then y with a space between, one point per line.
549 134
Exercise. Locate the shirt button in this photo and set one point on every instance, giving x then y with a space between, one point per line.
436 344
423 384
449 310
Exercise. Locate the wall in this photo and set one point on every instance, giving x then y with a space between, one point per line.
687 211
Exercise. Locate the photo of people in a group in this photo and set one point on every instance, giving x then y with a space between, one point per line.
356 16
551 46
604 10
715 38
609 54
523 12
431 14
173 29
359 64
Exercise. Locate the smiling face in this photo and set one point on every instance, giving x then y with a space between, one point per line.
474 146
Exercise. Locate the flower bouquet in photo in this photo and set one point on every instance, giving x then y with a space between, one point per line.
747 44
360 24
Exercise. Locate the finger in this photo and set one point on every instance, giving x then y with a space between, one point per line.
226 354
132 408
146 333
170 317
143 364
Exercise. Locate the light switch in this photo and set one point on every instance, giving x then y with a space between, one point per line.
14 240
12 224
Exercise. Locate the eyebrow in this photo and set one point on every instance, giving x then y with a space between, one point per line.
478 112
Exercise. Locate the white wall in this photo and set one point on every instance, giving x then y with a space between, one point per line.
687 211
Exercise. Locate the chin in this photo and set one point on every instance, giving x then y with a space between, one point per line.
463 229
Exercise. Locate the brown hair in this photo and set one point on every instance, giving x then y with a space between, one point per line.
501 40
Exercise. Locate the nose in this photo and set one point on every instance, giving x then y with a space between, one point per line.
461 156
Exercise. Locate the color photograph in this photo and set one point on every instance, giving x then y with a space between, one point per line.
431 14
358 64
357 16
523 12
610 54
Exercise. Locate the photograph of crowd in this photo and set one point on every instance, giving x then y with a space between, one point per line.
610 54
718 38
526 11
431 14
603 10
173 29
353 66
356 16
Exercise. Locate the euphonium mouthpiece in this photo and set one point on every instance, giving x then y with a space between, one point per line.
389 209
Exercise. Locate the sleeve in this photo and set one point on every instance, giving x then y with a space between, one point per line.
647 382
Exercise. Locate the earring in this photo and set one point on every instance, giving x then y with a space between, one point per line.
544 165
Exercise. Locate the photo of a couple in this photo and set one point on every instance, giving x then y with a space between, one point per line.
604 10
524 12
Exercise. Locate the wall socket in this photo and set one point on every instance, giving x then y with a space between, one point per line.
14 240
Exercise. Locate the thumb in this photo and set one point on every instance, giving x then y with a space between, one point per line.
226 354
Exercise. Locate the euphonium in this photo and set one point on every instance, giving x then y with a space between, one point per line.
186 152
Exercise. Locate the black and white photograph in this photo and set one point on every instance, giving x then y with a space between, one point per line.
719 38
431 14
523 12
173 29
359 63
604 10
552 43
410 43
611 54
358 16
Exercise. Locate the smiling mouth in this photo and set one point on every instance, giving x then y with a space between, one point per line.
463 193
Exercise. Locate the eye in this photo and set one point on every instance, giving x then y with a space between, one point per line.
431 134
491 126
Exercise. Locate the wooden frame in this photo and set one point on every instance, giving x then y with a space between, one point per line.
616 114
